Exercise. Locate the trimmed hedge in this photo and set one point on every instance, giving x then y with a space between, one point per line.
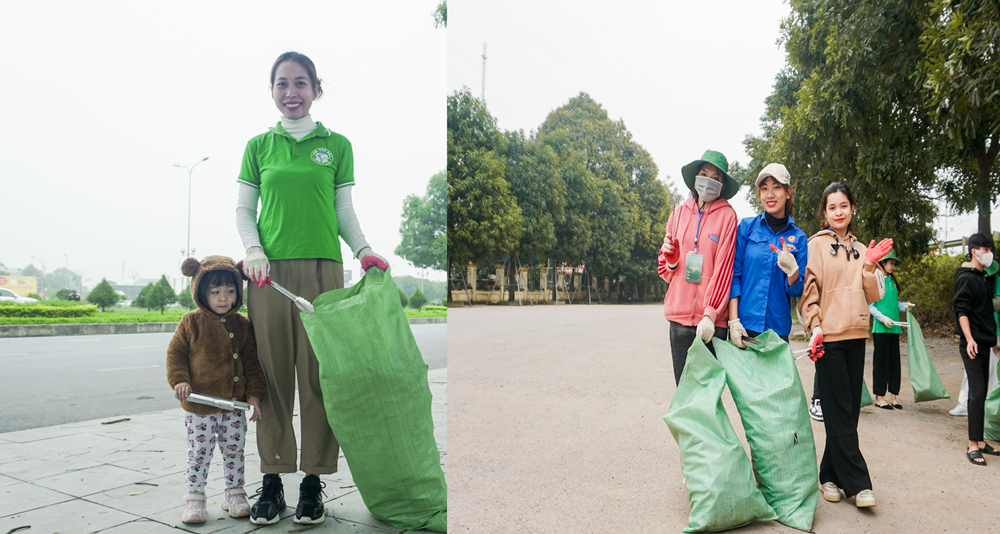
41 310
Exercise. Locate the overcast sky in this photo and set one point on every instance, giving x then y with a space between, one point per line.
103 98
684 76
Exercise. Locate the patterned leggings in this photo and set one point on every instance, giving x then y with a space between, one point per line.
229 428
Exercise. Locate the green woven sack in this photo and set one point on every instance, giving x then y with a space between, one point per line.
991 421
866 398
378 402
768 392
716 470
923 376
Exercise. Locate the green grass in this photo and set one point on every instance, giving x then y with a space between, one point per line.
169 316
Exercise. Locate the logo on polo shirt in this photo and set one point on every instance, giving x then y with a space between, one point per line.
321 156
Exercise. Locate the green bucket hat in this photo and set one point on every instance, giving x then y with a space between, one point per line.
688 172
890 256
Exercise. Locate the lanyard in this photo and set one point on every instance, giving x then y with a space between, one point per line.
697 232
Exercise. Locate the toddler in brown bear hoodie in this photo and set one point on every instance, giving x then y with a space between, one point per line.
213 353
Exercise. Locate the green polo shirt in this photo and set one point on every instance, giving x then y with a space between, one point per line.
298 181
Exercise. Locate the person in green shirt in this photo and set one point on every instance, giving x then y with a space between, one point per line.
885 333
302 175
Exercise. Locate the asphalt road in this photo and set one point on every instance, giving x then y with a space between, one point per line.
55 380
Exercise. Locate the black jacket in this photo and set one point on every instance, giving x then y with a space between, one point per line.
974 300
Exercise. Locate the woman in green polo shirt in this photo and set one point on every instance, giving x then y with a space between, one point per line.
885 333
302 174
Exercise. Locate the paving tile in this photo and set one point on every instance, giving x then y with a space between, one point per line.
67 517
23 497
7 481
140 526
93 480
52 464
351 508
11 451
144 499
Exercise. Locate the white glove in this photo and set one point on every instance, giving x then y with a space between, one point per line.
888 322
909 305
369 258
736 333
706 329
786 262
256 266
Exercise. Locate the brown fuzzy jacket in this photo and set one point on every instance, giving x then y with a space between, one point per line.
836 292
215 354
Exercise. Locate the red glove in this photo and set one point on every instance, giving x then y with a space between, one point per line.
816 344
876 252
675 250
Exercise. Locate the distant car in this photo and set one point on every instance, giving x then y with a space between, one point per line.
7 295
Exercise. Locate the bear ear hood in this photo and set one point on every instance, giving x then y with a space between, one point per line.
198 269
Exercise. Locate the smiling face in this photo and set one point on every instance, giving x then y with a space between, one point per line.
292 90
773 197
221 298
838 210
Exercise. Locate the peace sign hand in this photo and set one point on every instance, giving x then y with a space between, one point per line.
786 262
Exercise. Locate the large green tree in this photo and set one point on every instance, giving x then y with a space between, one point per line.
483 217
423 226
848 107
961 89
612 156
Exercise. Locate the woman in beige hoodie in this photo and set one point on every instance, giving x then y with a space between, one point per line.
840 282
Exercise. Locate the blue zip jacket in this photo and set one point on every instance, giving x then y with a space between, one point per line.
765 296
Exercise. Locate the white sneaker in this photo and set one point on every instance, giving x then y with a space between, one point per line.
831 492
959 411
815 411
865 499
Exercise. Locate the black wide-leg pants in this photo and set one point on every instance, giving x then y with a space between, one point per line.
885 364
841 372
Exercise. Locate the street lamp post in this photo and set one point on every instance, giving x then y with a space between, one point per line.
190 170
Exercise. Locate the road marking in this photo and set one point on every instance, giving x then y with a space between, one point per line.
127 368
141 347
15 354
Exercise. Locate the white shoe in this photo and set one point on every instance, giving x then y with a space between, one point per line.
865 499
815 411
831 492
959 411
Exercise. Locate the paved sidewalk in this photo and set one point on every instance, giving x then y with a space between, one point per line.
125 475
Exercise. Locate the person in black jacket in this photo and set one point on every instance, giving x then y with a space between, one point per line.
973 303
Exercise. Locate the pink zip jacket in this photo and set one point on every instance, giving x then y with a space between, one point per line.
686 303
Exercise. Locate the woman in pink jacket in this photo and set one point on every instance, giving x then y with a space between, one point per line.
696 258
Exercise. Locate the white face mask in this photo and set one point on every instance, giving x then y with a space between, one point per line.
986 259
707 188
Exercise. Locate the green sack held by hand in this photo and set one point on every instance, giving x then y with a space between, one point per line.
768 393
716 470
923 376
378 402
991 419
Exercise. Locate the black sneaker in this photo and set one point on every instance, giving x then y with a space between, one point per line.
270 502
310 509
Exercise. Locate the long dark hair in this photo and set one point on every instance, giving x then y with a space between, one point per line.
835 187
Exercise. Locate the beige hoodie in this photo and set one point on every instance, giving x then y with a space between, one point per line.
836 292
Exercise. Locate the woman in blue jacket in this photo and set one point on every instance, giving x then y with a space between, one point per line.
770 261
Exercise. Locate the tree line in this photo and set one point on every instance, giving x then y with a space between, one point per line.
900 100
579 190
